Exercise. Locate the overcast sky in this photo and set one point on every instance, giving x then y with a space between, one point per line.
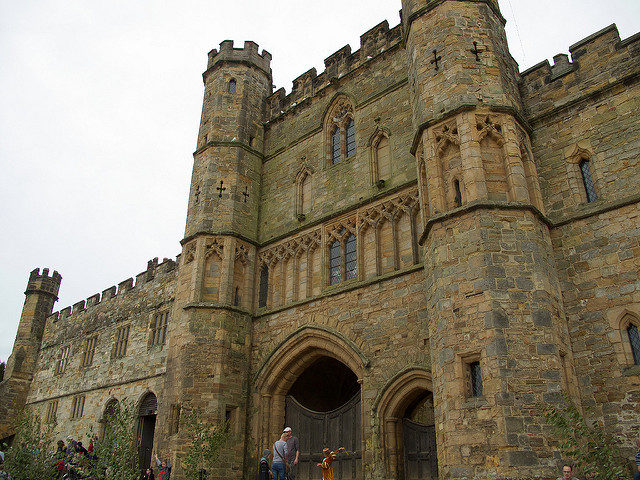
100 105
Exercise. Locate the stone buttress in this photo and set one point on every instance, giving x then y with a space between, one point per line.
207 366
497 329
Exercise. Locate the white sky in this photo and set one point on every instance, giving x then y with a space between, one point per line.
100 105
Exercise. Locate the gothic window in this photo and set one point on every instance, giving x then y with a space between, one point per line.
340 131
335 145
334 263
343 258
89 351
77 407
231 87
351 137
122 339
63 360
158 334
634 341
580 173
263 290
587 181
350 262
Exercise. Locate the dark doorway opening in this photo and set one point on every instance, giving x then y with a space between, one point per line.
323 409
146 429
419 440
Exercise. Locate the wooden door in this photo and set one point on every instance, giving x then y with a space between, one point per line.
419 444
146 429
316 430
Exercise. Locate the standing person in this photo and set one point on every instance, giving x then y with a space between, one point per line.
263 469
148 475
293 453
567 473
327 463
164 468
278 468
636 475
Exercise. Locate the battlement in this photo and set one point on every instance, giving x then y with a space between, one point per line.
373 43
247 55
597 61
153 269
43 283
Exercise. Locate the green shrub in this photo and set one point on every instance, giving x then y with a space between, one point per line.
589 447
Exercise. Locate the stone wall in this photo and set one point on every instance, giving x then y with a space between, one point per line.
377 92
125 377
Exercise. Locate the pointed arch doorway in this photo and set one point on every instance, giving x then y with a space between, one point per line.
324 410
406 411
311 381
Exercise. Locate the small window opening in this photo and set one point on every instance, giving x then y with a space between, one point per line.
232 86
350 258
457 201
236 297
335 146
634 341
334 263
475 379
229 418
587 181
263 291
351 138
251 141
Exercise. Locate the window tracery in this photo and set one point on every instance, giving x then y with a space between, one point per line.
340 130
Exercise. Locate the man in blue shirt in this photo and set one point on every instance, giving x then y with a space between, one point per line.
637 474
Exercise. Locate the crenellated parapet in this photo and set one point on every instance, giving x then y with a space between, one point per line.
43 283
247 55
373 43
597 63
153 270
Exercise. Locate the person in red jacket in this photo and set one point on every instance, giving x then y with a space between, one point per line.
164 467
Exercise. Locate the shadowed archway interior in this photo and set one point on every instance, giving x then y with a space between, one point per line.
326 385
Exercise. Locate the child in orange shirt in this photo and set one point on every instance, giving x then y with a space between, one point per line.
327 463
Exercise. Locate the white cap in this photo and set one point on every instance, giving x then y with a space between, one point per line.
287 429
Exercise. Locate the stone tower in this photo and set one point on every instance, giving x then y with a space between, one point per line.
497 329
207 366
41 294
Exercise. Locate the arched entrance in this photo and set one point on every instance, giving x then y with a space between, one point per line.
323 409
407 417
111 409
311 382
146 428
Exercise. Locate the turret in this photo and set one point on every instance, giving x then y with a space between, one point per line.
495 317
225 185
41 294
